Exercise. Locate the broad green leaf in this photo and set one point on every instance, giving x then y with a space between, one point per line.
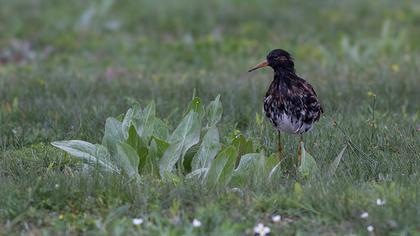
133 139
113 135
125 126
120 117
336 162
247 168
145 121
156 149
134 111
221 168
160 129
274 172
162 145
254 167
151 164
128 159
199 173
143 151
147 112
188 157
196 105
209 148
244 146
308 166
188 131
248 164
184 137
137 111
139 145
90 153
214 112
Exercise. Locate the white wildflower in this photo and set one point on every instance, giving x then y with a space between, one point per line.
261 230
196 223
370 228
380 202
137 221
364 215
276 218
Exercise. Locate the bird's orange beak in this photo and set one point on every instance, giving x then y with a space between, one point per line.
260 65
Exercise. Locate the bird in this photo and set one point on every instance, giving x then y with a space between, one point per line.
291 103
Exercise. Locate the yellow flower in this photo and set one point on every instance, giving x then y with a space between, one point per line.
371 94
395 68
61 217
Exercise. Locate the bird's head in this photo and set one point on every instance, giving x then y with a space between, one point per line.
278 59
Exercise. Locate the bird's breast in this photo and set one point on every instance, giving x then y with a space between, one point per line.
278 112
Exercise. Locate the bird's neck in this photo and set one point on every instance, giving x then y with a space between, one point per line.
282 73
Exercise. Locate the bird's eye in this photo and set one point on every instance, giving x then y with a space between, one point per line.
281 58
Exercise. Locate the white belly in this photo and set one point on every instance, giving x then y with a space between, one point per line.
286 124
282 120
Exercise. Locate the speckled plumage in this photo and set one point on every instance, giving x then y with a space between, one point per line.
291 103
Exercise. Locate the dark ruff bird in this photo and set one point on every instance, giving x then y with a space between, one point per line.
290 103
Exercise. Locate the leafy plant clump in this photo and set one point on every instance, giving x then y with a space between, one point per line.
140 144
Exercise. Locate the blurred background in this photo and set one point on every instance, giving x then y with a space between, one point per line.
67 65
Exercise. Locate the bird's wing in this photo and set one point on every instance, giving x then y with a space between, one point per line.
311 91
304 100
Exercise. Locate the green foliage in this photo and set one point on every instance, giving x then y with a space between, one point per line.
221 169
65 66
138 148
209 148
336 162
128 159
90 153
113 135
308 166
214 112
186 135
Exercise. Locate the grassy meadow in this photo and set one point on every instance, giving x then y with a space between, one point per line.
65 66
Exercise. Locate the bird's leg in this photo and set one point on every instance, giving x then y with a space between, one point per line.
300 148
280 147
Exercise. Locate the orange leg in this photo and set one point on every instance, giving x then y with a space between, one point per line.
280 147
300 148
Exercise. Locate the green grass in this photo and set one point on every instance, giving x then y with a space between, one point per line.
66 66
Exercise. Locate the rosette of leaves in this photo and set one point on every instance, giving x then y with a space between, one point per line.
139 144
